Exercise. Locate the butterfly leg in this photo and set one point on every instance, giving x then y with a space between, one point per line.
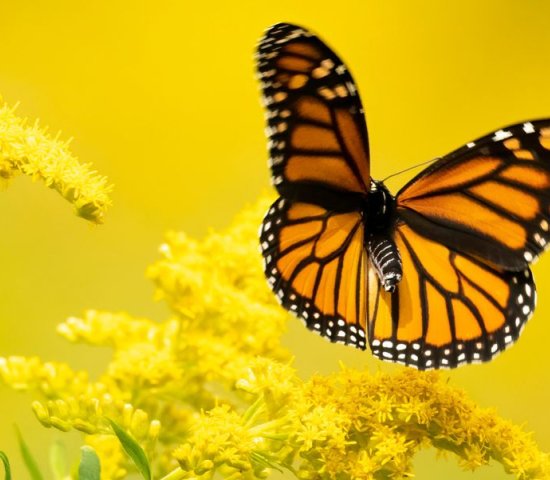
386 260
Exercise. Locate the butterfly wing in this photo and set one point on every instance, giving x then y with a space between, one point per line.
316 129
448 309
489 199
312 238
315 263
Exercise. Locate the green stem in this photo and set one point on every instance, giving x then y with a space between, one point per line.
253 411
177 474
258 429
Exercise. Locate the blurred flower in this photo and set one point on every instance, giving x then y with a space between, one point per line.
29 150
211 392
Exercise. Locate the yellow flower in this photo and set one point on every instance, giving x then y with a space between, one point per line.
29 150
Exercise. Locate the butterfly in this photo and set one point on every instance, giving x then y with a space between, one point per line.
434 277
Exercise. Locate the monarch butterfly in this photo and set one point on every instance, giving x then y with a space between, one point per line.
435 277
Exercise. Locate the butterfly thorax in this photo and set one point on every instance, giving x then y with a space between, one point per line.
379 215
379 209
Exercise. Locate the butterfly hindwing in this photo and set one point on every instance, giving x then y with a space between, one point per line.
316 128
489 199
316 265
448 309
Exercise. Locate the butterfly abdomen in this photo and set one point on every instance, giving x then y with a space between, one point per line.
385 258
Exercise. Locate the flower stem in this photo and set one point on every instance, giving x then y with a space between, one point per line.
177 474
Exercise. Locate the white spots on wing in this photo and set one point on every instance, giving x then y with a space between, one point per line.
539 239
471 144
528 256
520 299
296 33
351 88
501 135
528 127
340 69
276 160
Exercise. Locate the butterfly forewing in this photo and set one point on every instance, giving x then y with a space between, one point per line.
315 263
316 129
490 198
448 309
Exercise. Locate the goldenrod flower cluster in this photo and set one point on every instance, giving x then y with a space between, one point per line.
29 150
211 393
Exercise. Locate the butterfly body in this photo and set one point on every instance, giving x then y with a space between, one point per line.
433 277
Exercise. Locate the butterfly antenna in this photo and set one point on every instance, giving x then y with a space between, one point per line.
410 168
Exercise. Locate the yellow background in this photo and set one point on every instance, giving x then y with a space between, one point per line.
161 97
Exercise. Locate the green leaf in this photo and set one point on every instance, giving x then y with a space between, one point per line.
58 461
28 458
90 467
6 462
133 449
